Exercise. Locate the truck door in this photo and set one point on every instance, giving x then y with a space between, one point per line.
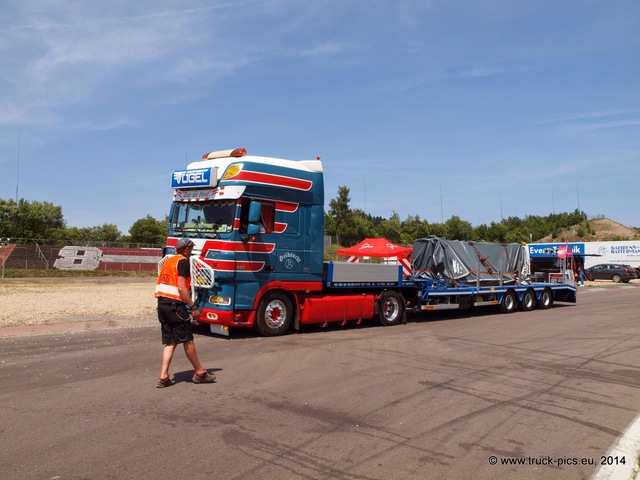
255 260
291 249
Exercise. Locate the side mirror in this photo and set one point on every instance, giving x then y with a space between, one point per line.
252 230
254 212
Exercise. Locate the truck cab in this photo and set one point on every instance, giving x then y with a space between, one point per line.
258 226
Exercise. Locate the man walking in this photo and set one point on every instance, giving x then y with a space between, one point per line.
173 296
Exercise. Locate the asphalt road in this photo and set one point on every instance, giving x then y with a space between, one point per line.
442 397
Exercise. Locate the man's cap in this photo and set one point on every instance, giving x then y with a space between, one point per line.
185 243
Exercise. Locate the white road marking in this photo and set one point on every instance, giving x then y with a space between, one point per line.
627 446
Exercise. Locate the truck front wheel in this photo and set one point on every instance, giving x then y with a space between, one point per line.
274 315
390 309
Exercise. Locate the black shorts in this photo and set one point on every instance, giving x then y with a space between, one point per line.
175 329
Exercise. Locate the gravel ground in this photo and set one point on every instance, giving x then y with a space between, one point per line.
52 301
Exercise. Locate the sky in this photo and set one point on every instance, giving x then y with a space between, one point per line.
431 108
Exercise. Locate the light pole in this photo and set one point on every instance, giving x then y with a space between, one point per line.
4 242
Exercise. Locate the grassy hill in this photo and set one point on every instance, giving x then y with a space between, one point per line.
596 230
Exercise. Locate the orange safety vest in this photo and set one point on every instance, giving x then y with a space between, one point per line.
167 285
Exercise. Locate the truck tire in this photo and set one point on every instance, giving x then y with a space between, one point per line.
509 302
390 309
274 315
528 302
546 299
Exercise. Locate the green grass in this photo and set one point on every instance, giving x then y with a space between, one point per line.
330 252
36 273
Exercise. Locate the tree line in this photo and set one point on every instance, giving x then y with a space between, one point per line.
44 222
352 225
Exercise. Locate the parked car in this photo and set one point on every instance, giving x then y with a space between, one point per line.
611 271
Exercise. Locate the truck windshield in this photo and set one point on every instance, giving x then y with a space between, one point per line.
212 217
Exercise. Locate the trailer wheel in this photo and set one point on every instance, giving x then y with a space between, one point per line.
509 302
528 302
274 315
390 309
546 299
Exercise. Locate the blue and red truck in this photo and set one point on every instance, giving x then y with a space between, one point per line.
258 226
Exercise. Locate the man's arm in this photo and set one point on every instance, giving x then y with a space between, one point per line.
185 294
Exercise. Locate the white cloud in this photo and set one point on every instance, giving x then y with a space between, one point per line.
78 55
586 122
324 49
574 129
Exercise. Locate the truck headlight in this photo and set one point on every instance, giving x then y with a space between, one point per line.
218 300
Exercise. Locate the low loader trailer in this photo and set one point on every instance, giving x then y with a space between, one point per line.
258 261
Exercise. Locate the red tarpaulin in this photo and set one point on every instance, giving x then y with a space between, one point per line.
376 247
